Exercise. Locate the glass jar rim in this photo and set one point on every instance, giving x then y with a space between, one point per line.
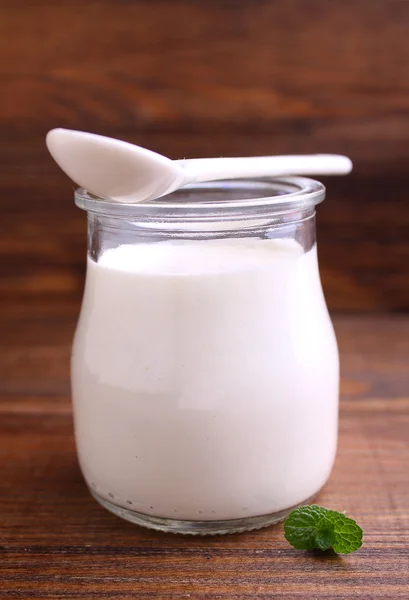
255 197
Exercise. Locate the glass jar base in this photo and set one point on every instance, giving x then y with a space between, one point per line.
197 527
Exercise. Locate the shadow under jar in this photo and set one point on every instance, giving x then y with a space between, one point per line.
205 373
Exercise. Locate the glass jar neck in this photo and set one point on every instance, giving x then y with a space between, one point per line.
216 206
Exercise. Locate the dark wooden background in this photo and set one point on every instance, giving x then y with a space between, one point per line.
209 77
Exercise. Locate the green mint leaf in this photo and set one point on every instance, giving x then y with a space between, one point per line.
348 534
325 534
310 527
302 526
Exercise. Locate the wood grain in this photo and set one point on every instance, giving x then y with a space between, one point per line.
192 78
56 542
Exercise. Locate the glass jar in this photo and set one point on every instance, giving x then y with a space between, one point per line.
205 373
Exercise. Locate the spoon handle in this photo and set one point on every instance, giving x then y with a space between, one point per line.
210 169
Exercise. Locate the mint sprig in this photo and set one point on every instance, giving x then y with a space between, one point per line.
315 527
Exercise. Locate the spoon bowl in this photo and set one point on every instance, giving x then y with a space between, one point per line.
112 168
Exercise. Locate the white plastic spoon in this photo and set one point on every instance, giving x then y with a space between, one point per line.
127 173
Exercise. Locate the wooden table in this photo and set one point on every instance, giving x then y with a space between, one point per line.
57 542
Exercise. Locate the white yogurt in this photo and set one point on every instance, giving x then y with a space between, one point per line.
205 378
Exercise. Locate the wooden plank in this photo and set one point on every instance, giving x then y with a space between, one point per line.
147 64
378 147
